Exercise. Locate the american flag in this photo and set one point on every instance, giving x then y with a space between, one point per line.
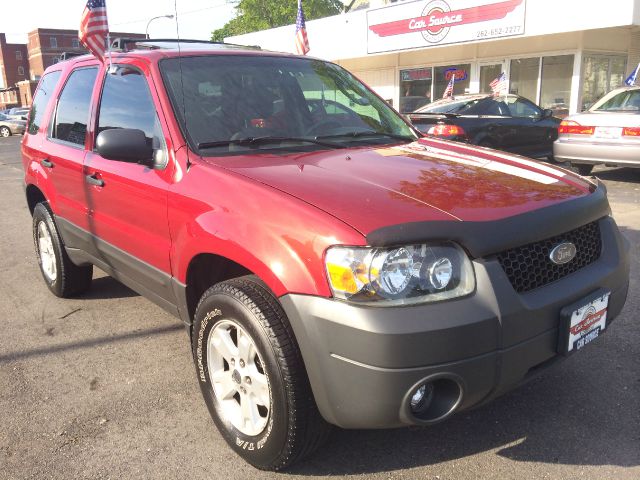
302 42
499 84
94 28
448 92
633 77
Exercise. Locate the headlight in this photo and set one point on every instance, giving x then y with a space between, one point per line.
399 276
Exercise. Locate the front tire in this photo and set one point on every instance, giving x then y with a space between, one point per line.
62 276
5 132
252 376
584 169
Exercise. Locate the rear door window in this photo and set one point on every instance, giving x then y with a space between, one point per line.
41 100
72 112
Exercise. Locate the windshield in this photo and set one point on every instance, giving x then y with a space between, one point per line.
450 106
625 101
235 104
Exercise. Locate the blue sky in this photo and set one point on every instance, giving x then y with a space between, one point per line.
197 18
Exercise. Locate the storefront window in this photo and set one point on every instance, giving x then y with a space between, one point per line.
488 73
415 88
443 75
523 77
555 90
600 74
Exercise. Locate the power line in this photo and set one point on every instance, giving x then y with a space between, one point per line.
188 12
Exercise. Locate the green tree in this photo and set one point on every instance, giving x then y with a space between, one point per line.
254 15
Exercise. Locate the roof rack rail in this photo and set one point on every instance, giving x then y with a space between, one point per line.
67 55
124 44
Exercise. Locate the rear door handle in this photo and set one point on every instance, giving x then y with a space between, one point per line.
94 180
45 162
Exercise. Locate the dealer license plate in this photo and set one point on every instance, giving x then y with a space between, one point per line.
587 323
608 132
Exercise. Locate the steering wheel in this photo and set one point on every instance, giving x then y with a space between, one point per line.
322 126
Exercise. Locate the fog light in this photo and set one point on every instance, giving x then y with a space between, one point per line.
421 399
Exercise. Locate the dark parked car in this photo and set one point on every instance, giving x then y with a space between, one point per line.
508 122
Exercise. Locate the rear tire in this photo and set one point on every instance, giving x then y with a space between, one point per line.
5 132
242 315
62 276
584 169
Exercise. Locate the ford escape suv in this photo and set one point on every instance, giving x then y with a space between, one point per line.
332 266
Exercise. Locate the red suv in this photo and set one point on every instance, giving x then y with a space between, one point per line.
332 266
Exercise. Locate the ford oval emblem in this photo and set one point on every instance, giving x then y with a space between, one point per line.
563 253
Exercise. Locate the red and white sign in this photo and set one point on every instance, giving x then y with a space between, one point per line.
588 322
440 22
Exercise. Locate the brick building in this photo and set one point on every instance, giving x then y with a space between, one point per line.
22 65
14 63
47 44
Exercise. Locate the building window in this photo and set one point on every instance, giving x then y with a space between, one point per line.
21 70
523 77
442 75
555 88
415 88
75 43
600 74
53 42
18 55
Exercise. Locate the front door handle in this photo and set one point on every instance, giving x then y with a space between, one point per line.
94 180
45 162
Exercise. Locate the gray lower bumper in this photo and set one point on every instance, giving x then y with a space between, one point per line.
595 153
362 362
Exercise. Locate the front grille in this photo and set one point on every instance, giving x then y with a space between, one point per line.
530 267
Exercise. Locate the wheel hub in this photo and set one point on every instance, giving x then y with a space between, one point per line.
46 252
237 376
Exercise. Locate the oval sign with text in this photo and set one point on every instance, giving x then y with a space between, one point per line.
563 253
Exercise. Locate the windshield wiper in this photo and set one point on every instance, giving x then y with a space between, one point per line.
255 141
369 133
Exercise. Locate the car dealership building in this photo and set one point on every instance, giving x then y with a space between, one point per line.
561 54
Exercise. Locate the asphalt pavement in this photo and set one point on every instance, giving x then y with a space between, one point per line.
103 386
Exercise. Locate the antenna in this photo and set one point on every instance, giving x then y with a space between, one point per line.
184 108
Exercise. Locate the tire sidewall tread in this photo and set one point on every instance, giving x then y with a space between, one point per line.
295 427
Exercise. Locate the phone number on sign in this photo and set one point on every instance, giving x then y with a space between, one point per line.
498 31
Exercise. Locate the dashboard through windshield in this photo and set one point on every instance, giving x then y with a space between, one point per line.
230 104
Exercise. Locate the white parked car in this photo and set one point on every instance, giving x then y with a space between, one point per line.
608 133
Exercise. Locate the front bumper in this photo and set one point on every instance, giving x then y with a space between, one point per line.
584 152
363 362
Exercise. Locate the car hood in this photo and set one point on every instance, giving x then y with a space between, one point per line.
431 179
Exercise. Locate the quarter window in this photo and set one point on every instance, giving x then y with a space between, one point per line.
41 100
127 103
519 107
72 113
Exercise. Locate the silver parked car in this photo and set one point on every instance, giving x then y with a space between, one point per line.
609 133
10 126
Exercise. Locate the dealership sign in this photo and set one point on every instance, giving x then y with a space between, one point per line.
440 22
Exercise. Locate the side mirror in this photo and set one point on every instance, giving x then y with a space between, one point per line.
547 113
125 145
